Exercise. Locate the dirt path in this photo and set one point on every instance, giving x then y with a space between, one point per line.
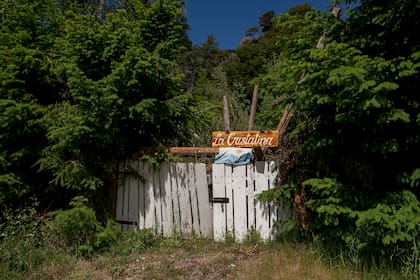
199 260
211 261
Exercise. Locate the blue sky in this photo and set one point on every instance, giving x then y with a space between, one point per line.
228 20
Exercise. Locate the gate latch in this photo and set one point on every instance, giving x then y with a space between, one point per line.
219 200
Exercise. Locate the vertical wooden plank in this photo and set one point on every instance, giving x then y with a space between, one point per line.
120 200
271 182
193 199
282 208
190 182
219 209
141 186
184 199
133 196
262 210
285 212
250 196
203 204
230 225
166 201
176 212
126 183
149 200
157 190
239 199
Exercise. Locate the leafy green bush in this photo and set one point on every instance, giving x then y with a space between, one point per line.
230 238
137 241
380 227
253 236
78 229
352 151
22 246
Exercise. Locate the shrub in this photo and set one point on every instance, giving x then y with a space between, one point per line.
137 241
78 229
375 227
253 236
22 246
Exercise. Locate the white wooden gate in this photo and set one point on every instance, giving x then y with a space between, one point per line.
239 187
173 200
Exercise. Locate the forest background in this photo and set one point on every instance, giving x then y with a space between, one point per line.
85 84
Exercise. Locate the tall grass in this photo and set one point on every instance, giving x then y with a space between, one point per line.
400 263
26 252
23 244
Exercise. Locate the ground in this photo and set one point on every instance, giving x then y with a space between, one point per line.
203 259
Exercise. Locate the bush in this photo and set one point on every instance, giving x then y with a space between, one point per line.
137 241
375 227
22 246
79 231
253 236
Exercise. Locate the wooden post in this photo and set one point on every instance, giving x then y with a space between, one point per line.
226 118
253 108
284 121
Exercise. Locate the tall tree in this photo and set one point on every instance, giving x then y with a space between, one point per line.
266 21
353 165
79 94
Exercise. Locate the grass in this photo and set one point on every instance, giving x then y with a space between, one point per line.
159 258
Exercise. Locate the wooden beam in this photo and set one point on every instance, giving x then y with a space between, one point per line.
194 150
253 108
285 119
226 118
181 151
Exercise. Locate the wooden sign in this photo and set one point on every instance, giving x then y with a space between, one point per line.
245 139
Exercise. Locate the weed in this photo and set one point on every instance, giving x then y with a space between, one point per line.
173 272
137 241
411 267
23 246
230 237
78 229
205 271
253 236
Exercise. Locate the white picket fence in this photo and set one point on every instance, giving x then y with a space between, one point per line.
175 200
244 212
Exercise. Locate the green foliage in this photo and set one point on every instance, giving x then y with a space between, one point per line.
23 246
121 96
411 262
18 148
76 226
372 226
394 221
285 191
82 87
161 155
24 41
354 139
253 236
79 230
300 9
137 241
355 116
386 28
230 238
